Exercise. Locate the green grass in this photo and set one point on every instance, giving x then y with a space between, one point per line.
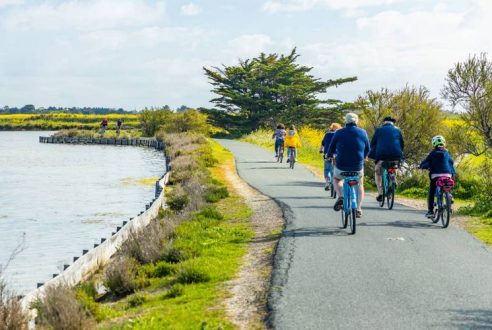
187 294
56 121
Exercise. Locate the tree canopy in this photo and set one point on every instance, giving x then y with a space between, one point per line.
271 88
418 115
469 85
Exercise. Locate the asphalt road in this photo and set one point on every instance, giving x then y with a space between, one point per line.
399 271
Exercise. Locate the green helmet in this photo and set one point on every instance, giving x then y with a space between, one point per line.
438 140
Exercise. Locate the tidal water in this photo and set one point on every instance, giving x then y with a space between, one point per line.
57 200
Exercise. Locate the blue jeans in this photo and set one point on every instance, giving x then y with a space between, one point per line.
278 143
294 150
329 170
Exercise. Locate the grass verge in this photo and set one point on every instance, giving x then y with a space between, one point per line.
174 273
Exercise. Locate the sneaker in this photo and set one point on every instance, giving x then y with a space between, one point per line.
327 187
288 160
430 215
379 198
358 214
338 204
276 156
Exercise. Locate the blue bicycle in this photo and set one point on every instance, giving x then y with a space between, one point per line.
389 182
329 166
350 198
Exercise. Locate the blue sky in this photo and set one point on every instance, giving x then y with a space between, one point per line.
138 53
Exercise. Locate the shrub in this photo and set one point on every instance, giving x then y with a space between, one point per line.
175 291
192 273
215 192
211 212
12 316
172 254
160 269
60 309
145 245
120 275
136 300
177 198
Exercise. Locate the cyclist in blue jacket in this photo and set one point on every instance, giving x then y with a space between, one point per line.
351 145
440 164
386 145
328 162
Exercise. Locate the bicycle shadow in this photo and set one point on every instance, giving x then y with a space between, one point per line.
468 319
301 184
315 232
400 224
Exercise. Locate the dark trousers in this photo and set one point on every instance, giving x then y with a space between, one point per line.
431 195
278 143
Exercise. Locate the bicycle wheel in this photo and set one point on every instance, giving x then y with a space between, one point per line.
437 207
292 159
344 218
332 190
446 210
281 155
390 194
381 203
352 216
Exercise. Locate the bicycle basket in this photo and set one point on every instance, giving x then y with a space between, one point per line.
446 183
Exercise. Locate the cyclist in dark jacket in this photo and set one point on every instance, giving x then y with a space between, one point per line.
440 164
328 162
351 145
386 145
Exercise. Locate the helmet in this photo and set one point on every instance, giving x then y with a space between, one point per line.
438 140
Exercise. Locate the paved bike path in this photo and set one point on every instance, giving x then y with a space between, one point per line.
399 271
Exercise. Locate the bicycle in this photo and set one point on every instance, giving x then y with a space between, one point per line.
348 212
333 192
389 182
292 157
280 156
443 201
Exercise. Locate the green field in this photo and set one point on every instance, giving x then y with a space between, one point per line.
57 121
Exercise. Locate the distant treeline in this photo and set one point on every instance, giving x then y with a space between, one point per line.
31 109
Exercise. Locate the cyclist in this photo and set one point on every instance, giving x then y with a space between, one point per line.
440 164
351 145
325 144
292 141
386 145
279 136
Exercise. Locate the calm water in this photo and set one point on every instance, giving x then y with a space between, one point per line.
64 198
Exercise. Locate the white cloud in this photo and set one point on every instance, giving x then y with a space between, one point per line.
249 45
5 3
190 9
273 6
392 48
85 15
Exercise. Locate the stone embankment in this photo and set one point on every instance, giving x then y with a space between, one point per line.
145 142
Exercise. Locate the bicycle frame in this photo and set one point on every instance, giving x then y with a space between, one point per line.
350 193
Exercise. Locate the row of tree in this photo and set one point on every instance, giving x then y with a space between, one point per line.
268 89
31 109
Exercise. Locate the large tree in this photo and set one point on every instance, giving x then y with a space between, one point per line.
469 85
271 88
418 115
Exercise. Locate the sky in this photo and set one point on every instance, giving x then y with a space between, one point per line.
140 53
